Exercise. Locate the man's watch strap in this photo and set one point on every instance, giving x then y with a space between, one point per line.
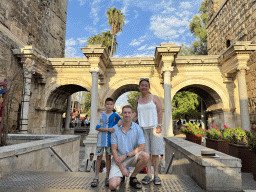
127 154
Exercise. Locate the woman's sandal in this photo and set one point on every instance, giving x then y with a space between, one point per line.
135 183
157 180
146 180
95 182
107 181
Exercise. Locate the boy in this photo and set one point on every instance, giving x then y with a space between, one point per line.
105 124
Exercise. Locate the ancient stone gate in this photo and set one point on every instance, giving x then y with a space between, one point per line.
218 79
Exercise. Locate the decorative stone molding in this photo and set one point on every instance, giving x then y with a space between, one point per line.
227 78
98 59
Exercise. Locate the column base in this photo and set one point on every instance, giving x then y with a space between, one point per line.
68 132
90 143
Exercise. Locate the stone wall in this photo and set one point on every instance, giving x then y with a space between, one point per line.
212 174
233 20
251 88
40 23
37 156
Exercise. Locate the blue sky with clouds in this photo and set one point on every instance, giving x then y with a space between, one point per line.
148 23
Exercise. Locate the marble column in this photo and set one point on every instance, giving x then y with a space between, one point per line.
25 103
167 102
25 96
67 123
91 140
243 99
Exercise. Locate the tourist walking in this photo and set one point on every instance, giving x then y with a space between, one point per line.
90 164
128 148
105 124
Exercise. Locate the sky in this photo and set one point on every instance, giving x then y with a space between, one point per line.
148 23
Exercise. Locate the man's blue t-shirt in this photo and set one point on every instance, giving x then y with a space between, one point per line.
127 142
106 121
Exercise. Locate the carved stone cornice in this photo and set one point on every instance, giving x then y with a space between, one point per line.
96 51
236 56
166 50
33 53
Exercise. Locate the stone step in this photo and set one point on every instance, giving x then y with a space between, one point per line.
81 182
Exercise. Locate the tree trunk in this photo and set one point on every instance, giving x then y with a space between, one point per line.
112 45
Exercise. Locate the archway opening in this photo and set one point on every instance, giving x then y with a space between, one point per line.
120 96
57 106
209 107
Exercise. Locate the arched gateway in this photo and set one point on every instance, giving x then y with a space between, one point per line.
218 79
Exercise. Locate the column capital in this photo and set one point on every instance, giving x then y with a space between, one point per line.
227 78
242 68
95 70
166 69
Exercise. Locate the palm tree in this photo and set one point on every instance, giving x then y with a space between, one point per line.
107 38
116 21
96 39
104 39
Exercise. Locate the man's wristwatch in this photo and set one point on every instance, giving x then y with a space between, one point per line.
127 154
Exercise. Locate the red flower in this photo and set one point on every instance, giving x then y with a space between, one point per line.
226 126
220 136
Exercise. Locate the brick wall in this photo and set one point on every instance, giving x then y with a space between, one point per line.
234 20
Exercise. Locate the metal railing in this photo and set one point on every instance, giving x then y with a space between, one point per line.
170 163
61 159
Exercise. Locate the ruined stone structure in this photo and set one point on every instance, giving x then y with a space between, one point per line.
41 24
230 21
49 79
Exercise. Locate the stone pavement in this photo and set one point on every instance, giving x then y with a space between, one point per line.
81 181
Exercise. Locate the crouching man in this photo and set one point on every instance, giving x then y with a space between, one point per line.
128 148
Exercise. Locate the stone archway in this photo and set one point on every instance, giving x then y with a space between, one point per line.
49 118
215 98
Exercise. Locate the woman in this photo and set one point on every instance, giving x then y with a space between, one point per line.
149 112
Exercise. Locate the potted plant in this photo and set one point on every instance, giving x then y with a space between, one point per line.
218 139
193 132
238 148
251 143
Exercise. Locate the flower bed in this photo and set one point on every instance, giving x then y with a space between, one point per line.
193 132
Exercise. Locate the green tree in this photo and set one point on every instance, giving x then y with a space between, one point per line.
105 39
198 28
116 22
186 105
132 96
86 104
185 50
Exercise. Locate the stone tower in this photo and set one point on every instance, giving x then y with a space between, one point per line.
38 23
230 21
